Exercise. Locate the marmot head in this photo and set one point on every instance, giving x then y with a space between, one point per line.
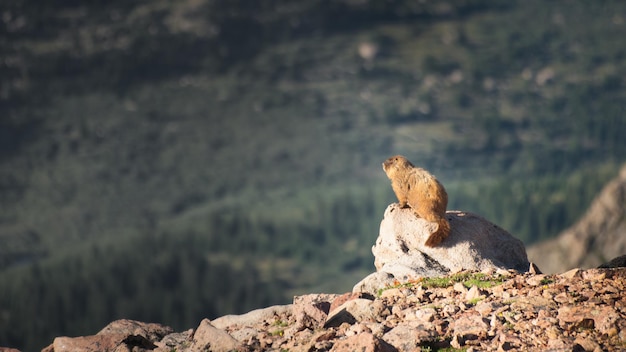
396 163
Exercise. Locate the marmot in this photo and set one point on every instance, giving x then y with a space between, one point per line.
418 189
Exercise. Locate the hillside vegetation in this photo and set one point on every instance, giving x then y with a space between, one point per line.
174 160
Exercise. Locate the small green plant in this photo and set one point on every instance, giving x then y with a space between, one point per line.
429 348
437 282
481 280
280 323
585 324
277 332
546 281
398 284
468 279
475 300
508 325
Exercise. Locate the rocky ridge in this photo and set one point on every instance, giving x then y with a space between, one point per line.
579 310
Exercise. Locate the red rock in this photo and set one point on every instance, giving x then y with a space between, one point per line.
364 342
408 337
119 335
347 297
570 274
485 308
209 338
171 341
151 331
352 311
508 342
473 293
558 344
599 318
536 280
544 320
562 297
324 336
310 311
586 345
470 325
357 329
424 315
94 343
594 274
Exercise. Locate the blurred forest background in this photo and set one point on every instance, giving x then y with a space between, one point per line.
173 160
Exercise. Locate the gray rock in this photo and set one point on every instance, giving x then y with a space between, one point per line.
253 317
619 262
473 244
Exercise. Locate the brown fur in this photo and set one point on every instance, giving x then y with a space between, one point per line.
418 189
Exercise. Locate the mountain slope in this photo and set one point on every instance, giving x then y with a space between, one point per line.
599 235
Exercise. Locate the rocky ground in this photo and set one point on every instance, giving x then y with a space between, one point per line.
579 310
